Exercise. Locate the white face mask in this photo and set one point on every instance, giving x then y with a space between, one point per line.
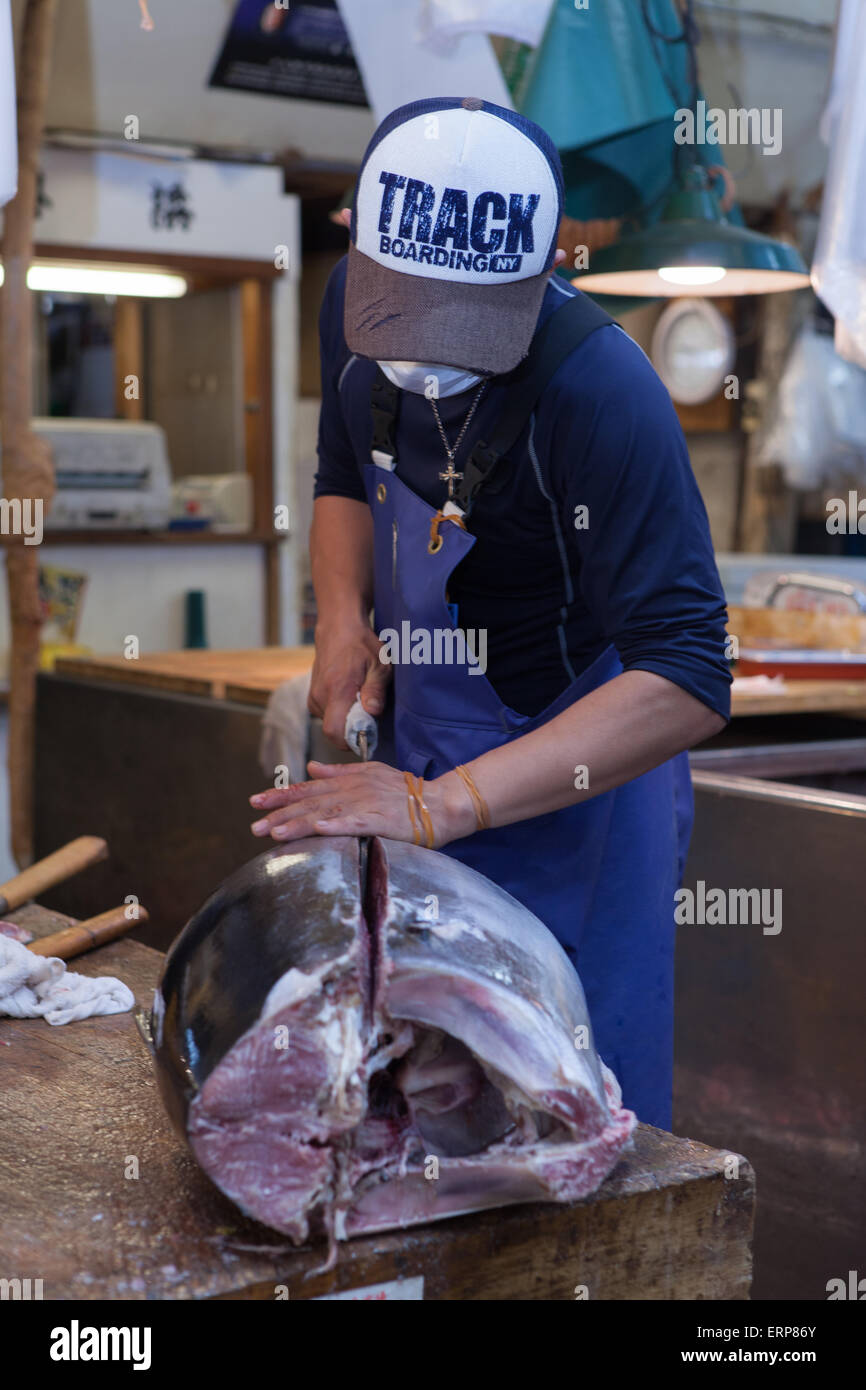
429 378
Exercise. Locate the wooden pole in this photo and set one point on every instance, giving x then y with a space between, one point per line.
128 357
27 469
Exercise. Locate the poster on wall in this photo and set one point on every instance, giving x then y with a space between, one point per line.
293 50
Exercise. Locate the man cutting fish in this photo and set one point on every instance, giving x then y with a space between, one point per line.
503 480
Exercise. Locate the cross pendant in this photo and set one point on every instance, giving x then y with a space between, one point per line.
450 477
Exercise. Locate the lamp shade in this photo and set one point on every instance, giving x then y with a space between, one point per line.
8 127
693 250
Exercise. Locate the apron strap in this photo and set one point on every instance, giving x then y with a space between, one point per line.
384 407
561 334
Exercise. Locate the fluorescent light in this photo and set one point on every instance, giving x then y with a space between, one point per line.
53 278
81 279
692 274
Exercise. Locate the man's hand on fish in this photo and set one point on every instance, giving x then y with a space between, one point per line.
367 799
629 725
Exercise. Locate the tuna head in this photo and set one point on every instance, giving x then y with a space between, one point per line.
328 1026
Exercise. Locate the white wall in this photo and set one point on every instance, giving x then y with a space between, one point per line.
139 589
782 62
106 67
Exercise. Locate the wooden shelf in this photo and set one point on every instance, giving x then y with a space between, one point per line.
107 537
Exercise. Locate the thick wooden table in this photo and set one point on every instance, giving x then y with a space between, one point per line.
249 677
203 672
101 1200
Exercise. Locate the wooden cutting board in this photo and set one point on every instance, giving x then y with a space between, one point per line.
206 673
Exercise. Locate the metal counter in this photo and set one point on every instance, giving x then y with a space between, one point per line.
769 1042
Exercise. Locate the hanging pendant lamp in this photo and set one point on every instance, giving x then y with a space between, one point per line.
694 250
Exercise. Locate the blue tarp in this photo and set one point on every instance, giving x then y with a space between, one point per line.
606 89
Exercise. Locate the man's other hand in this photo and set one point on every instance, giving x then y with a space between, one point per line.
347 660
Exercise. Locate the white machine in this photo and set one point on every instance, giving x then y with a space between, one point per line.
222 500
111 474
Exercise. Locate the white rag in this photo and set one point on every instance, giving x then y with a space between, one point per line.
41 987
443 22
285 737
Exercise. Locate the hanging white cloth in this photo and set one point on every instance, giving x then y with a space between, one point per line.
817 423
443 22
291 736
397 67
839 268
41 987
8 128
285 737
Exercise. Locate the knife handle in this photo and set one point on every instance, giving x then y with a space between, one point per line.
53 869
84 936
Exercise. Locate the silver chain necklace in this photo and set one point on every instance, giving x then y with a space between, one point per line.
450 476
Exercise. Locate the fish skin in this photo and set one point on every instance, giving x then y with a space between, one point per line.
468 1000
295 908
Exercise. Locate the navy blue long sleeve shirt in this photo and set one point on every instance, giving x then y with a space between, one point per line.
603 449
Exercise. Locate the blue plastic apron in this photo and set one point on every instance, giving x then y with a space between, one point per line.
600 874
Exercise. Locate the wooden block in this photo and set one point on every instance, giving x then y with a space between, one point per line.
803 697
115 670
205 672
667 1225
83 1114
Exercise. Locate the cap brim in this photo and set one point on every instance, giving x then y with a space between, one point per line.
391 316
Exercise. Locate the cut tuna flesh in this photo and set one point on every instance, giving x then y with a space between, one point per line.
356 1035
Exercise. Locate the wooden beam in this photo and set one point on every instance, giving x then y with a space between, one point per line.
128 358
256 330
28 473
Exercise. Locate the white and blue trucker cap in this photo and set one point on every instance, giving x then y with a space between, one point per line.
453 235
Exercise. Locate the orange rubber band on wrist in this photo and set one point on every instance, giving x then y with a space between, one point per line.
423 812
416 833
482 811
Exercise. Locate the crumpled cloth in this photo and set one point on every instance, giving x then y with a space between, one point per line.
285 737
442 22
41 987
